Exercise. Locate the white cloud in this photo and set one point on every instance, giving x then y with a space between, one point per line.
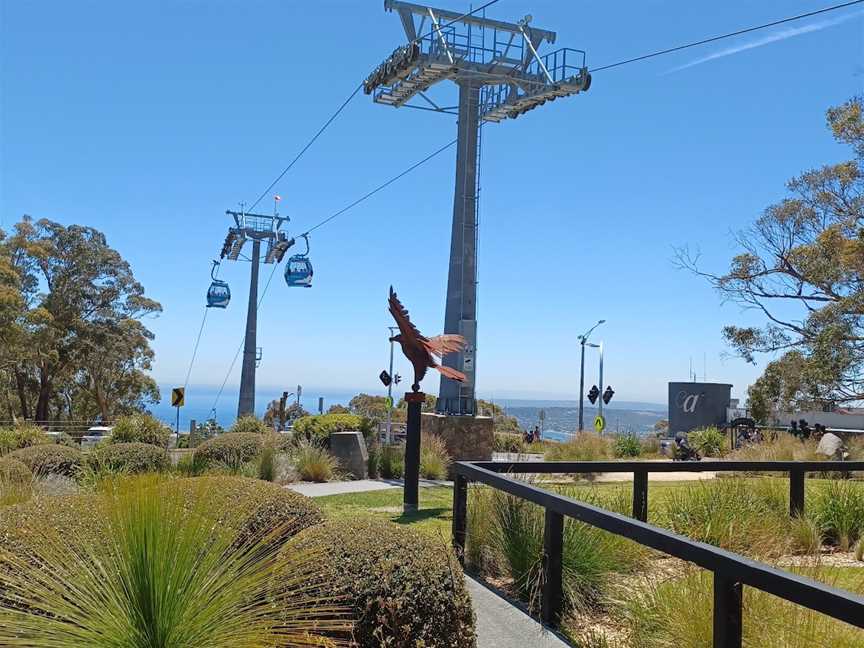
767 40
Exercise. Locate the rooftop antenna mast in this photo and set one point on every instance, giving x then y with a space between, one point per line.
257 228
500 74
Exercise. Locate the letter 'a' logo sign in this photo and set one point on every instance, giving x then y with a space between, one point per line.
178 396
688 402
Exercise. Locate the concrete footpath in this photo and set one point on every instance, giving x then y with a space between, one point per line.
500 624
357 486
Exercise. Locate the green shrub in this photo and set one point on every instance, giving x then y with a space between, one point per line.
838 508
140 428
512 443
231 450
314 463
249 425
13 471
434 458
392 461
167 577
267 506
50 459
20 436
129 458
708 442
318 429
735 513
627 446
403 588
584 446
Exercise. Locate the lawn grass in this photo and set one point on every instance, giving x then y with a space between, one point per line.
434 517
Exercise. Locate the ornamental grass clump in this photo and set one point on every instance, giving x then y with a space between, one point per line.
403 588
391 462
591 557
838 508
160 575
434 458
708 442
20 436
748 516
677 613
584 446
314 463
627 446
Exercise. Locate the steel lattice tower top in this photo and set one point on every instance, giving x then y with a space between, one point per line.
500 74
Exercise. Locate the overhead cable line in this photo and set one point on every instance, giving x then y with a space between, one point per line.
729 35
306 148
380 187
363 198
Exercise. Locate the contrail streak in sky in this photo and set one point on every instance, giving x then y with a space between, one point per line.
767 40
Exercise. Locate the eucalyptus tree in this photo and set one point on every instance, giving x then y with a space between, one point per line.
801 266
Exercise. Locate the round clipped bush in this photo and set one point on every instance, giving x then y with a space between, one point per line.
231 449
319 428
13 471
130 458
140 428
249 425
50 459
272 510
404 588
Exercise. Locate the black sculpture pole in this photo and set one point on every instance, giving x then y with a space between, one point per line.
415 402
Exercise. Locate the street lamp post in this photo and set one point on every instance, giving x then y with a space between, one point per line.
583 340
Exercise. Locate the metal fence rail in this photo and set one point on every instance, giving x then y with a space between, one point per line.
731 571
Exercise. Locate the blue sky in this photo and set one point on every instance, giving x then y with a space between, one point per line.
148 120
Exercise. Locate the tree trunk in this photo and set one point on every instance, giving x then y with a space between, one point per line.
44 395
21 387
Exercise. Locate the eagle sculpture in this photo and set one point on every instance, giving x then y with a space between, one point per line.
420 350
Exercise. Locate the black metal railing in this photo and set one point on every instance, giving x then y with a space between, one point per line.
731 571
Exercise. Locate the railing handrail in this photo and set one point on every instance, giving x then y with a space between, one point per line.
731 570
546 467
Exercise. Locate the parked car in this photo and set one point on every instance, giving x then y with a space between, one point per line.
96 434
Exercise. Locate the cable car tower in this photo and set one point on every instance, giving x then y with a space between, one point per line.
256 228
500 74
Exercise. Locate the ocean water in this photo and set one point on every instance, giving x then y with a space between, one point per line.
202 403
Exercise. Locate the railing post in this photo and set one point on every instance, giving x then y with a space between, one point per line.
796 492
640 495
727 612
552 603
460 515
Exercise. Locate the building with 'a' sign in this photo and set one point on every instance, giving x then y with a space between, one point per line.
694 405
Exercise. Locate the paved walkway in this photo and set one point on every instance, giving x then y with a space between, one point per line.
357 486
500 624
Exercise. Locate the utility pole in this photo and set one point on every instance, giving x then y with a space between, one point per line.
388 435
500 75
583 339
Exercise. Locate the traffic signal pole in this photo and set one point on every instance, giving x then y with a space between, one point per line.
600 399
389 435
582 387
